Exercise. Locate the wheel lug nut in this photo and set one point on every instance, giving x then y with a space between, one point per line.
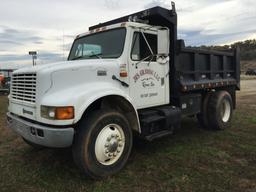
118 151
106 151
109 138
120 145
106 145
112 135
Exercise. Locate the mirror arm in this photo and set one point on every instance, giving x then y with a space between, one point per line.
147 43
152 57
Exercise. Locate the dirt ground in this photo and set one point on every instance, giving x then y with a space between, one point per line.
247 95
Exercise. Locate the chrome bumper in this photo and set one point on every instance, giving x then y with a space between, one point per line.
41 135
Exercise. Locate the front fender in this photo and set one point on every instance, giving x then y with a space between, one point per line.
97 91
81 97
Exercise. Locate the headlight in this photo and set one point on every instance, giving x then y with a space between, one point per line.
57 113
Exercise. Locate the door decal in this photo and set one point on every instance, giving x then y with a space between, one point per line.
146 81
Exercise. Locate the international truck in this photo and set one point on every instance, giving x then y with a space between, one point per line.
127 77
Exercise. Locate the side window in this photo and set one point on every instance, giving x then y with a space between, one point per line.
140 49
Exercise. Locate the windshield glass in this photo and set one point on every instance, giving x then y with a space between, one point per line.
107 44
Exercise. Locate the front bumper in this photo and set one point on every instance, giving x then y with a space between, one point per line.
41 135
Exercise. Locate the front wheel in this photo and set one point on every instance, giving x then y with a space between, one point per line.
102 144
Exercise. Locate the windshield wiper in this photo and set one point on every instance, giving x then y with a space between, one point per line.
76 58
96 55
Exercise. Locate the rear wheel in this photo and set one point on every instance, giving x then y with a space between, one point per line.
102 144
220 110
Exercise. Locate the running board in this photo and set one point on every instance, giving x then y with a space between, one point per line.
158 135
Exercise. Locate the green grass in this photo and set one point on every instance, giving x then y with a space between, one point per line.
191 160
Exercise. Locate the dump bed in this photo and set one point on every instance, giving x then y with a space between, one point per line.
200 69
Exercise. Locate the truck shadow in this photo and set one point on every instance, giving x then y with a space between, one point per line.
189 130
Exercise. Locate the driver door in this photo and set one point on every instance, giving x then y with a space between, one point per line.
148 78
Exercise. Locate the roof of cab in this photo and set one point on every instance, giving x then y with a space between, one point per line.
118 25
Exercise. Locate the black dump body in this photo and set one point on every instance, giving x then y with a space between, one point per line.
199 69
191 70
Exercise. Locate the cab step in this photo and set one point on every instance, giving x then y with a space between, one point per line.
159 122
158 135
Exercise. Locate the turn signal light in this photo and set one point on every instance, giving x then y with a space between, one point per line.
57 113
63 113
123 74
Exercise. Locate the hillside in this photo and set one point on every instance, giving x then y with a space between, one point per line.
248 52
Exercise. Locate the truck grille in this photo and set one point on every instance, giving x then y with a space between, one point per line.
23 87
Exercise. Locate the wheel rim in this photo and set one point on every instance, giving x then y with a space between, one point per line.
225 111
109 144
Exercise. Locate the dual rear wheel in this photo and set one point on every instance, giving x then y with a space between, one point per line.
217 110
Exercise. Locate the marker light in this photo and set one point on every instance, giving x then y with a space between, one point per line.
123 74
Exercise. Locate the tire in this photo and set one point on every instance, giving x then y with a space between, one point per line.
101 134
220 110
33 145
202 117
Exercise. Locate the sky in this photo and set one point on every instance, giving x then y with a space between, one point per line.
49 26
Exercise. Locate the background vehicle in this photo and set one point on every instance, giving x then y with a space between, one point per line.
250 72
5 79
126 76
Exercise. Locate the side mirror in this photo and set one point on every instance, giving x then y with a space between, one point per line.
163 42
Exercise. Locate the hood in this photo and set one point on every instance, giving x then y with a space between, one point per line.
66 65
60 76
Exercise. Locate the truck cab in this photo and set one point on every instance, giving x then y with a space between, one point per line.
141 53
129 76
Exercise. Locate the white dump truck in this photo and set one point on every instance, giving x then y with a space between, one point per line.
125 77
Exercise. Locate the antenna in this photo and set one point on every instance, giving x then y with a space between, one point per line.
63 45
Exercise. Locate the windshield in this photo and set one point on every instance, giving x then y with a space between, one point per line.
107 44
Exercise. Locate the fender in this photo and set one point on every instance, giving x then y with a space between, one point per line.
82 96
98 92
